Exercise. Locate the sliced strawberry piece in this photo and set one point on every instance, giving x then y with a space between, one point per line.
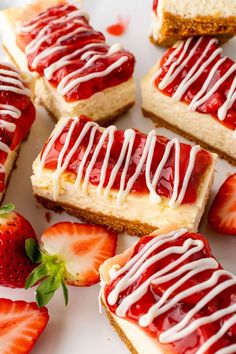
222 215
70 253
83 248
21 324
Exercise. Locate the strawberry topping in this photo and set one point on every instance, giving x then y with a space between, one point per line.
166 181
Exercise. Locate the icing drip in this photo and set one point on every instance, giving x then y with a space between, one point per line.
75 22
89 129
179 272
181 57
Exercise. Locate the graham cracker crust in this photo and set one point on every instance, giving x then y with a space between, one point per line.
119 331
133 228
188 136
175 27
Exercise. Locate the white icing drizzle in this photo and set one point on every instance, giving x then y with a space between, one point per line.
64 87
231 97
73 17
66 60
195 72
231 349
6 109
10 76
124 158
38 20
138 264
4 147
7 80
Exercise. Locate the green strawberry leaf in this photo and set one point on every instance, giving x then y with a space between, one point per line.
46 290
32 250
51 273
65 292
37 274
6 209
50 284
43 299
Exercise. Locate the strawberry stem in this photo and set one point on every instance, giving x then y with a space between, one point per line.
6 209
50 273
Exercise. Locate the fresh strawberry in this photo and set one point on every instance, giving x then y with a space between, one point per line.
21 324
15 266
222 215
70 253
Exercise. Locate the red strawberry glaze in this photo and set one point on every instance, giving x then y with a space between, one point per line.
23 123
212 105
118 28
154 6
165 184
192 342
85 89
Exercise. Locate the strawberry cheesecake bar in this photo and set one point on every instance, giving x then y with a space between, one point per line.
192 90
76 71
126 180
168 294
17 114
178 19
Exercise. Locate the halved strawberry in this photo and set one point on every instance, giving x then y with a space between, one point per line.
70 253
21 324
222 215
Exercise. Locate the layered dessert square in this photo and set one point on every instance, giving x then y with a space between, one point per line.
192 90
124 179
178 19
76 71
17 114
168 294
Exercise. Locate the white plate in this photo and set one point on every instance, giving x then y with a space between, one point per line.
79 328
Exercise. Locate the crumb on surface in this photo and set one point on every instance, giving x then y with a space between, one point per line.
48 216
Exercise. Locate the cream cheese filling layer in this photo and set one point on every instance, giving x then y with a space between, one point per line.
140 340
135 208
8 166
190 9
100 106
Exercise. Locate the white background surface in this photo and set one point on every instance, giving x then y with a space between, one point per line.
79 328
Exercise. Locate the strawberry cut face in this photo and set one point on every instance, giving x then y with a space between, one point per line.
21 324
69 253
222 215
82 247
